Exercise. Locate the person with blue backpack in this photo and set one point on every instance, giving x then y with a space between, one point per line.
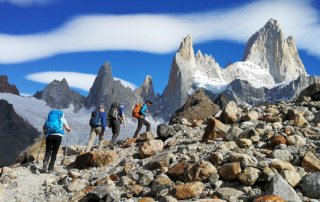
54 130
98 122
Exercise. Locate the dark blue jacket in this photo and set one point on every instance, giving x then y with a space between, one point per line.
103 118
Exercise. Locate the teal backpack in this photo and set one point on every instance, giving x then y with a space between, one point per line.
53 123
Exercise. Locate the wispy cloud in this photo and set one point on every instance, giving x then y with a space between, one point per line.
163 33
27 2
76 80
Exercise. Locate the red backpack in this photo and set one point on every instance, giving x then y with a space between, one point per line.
136 110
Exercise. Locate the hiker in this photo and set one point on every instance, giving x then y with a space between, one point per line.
142 118
98 124
54 130
116 118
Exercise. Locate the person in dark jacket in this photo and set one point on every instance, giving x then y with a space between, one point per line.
142 119
98 130
116 117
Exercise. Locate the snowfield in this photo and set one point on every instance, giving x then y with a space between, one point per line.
35 111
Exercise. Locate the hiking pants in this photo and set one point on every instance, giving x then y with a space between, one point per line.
53 143
115 127
141 122
93 134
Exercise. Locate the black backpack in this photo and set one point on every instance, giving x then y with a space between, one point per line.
113 112
95 119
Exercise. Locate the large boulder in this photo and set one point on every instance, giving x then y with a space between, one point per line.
94 159
215 129
278 186
150 148
165 131
229 114
199 106
311 185
188 190
310 91
310 162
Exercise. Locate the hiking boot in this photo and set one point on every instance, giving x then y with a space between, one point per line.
50 171
44 167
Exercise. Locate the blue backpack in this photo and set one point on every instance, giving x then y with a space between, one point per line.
95 119
53 123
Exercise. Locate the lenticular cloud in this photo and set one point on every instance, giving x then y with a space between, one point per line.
160 34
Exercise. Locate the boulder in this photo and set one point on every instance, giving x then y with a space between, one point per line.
278 139
165 131
269 198
300 121
282 154
310 185
251 116
296 140
77 185
230 171
229 194
310 162
249 176
146 136
146 199
292 177
282 165
200 171
229 114
244 143
161 184
188 190
177 171
150 148
161 161
214 129
278 186
310 91
94 159
199 106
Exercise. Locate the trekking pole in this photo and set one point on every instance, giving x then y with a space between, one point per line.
44 137
66 146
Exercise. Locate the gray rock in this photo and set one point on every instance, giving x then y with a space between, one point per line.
229 194
283 155
77 185
165 131
145 177
278 186
233 133
310 185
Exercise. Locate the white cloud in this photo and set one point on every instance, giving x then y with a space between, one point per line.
27 2
76 80
163 33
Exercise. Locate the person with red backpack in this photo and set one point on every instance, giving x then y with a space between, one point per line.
141 116
54 130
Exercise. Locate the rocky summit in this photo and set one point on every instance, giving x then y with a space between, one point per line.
59 95
262 153
5 87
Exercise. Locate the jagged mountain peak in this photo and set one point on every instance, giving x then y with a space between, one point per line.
146 90
269 49
58 94
185 50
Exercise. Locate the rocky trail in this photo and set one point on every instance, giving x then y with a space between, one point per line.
263 153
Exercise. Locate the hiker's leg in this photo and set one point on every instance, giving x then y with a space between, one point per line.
146 123
48 151
115 132
56 142
100 144
140 124
91 139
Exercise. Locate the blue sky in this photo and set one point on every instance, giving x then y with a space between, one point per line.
39 38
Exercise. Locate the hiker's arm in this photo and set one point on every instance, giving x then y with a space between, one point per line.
65 125
143 110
